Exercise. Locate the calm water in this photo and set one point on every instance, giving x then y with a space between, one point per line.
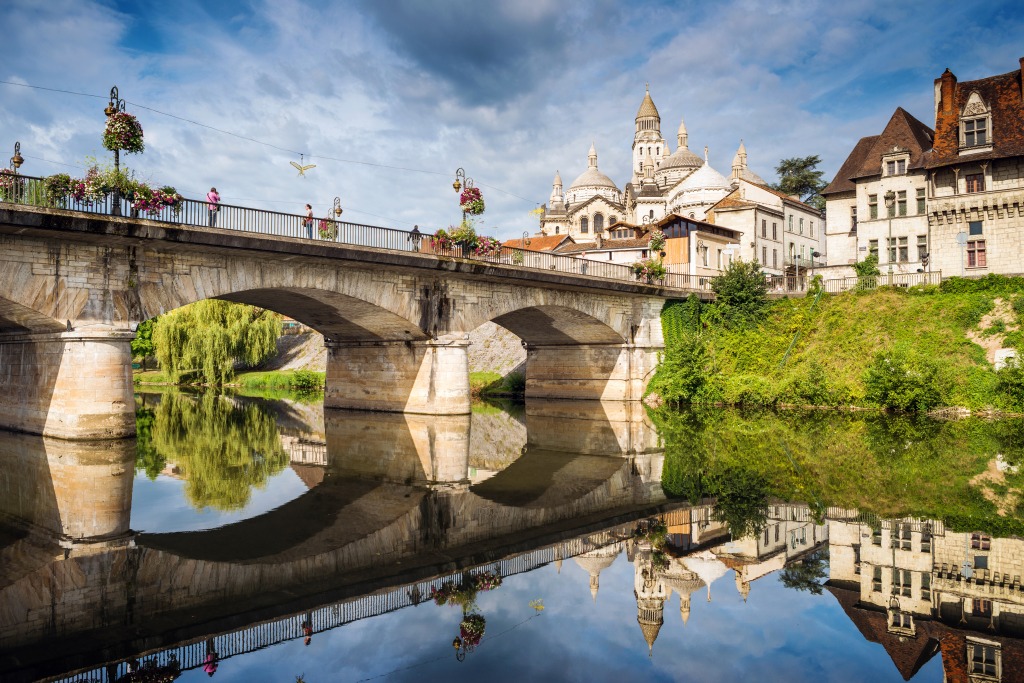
266 540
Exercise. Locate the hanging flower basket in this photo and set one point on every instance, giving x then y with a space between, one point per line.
328 229
472 630
92 188
648 270
487 247
123 132
58 188
472 201
12 186
441 241
145 199
657 242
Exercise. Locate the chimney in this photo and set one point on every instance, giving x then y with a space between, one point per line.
945 85
599 239
1021 60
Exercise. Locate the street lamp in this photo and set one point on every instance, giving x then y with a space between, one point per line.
337 207
17 160
890 202
460 181
526 238
115 105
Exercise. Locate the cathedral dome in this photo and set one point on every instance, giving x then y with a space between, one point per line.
682 158
593 178
647 108
705 178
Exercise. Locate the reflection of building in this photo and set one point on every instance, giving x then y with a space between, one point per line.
919 589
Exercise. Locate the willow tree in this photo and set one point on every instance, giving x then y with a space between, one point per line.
212 337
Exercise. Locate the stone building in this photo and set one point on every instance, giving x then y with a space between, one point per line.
662 183
955 193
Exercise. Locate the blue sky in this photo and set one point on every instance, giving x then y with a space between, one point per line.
511 90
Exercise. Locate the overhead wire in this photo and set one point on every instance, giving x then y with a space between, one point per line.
261 142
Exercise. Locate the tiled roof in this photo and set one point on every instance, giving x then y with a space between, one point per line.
786 198
842 182
538 243
903 131
631 243
1005 97
730 202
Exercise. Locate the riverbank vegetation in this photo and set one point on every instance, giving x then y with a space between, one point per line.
903 349
967 473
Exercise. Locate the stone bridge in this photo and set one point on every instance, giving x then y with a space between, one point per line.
396 503
74 286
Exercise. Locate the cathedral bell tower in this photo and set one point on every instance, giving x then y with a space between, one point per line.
649 147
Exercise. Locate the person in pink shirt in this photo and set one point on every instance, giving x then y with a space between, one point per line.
213 204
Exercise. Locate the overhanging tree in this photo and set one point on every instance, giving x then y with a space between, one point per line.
211 337
799 176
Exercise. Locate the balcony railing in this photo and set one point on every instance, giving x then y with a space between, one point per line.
30 191
869 282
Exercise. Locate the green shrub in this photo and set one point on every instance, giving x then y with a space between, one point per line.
741 291
1018 307
900 379
974 309
1010 384
680 317
991 283
749 390
308 380
812 387
684 371
867 267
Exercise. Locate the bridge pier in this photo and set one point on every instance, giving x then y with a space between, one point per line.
590 372
68 385
429 377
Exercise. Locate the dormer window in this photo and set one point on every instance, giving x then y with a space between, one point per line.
896 167
895 161
975 125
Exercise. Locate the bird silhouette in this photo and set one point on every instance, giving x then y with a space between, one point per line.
302 169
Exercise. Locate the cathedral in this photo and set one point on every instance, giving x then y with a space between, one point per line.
662 183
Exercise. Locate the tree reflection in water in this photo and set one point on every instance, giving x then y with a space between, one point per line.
221 448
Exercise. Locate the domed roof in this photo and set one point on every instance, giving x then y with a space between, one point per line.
705 178
593 177
647 108
749 175
681 158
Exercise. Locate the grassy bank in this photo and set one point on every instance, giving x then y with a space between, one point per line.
493 384
275 380
910 349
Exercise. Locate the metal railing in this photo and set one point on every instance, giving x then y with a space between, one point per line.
786 284
31 191
869 282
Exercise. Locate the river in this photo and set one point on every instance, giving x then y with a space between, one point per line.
249 539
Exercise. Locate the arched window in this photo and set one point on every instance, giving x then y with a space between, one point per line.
585 225
556 229
652 213
598 223
658 151
613 220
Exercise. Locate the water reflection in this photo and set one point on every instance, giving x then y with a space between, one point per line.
559 531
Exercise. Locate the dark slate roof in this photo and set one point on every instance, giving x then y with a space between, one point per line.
842 182
1005 97
903 131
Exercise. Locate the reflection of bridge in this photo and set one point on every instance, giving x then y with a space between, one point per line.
395 505
74 287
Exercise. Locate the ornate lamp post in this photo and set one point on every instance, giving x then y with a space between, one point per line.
460 181
337 208
17 160
526 238
115 105
890 202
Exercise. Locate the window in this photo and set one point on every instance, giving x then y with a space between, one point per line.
812 228
974 227
775 231
975 132
873 248
775 258
920 200
791 222
926 586
584 225
976 257
856 559
901 203
872 206
890 168
764 255
975 182
557 229
777 526
764 228
926 533
901 579
853 219
981 542
901 537
901 621
890 211
613 220
981 561
643 253
876 539
981 608
890 243
984 658
904 249
922 251
876 580
901 166
598 223
801 225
